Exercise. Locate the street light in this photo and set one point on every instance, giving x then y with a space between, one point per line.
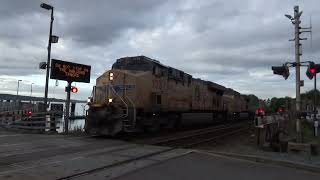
48 7
18 87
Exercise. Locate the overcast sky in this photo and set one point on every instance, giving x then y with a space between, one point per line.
230 42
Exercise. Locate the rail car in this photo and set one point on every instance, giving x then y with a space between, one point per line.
140 93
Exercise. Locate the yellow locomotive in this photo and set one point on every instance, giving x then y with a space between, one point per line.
140 93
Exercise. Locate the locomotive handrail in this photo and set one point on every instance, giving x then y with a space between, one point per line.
121 100
134 109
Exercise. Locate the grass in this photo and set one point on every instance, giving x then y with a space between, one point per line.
308 133
77 130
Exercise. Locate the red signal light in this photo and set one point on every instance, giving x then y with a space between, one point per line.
280 110
29 113
312 71
74 89
260 111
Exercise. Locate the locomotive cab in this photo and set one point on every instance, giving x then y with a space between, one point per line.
115 104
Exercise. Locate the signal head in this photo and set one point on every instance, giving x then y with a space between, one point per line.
281 70
280 110
312 70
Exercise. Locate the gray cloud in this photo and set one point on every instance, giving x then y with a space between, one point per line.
232 42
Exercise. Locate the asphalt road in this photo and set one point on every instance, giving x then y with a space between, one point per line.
199 166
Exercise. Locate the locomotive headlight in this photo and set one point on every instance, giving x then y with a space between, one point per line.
110 100
111 76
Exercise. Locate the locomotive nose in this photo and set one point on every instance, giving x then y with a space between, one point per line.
98 116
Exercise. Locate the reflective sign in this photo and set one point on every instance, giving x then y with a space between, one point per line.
120 88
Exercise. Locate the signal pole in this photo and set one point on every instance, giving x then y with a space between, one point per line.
297 58
296 22
67 115
314 106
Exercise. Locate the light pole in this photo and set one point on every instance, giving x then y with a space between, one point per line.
18 87
48 7
31 92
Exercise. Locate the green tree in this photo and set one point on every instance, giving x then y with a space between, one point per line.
253 102
276 103
308 96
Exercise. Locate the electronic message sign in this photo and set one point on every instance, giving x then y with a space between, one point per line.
68 71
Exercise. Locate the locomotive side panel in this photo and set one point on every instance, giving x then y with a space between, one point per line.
144 92
197 95
178 96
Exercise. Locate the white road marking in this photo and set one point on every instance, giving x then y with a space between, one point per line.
25 168
10 135
75 158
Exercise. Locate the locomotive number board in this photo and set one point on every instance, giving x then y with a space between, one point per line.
68 71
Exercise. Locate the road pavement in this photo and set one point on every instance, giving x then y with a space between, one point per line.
41 156
200 166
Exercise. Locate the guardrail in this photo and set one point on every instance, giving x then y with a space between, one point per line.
41 121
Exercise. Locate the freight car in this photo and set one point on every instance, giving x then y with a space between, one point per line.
140 93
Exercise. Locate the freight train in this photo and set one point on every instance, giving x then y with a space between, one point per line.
140 93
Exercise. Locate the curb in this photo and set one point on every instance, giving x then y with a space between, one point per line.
259 159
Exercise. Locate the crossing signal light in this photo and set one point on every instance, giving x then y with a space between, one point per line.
260 112
312 70
280 110
74 89
281 70
29 113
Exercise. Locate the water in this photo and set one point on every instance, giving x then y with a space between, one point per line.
74 125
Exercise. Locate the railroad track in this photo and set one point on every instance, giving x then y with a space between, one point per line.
119 163
193 138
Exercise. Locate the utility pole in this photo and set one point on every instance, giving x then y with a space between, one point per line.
297 58
296 22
